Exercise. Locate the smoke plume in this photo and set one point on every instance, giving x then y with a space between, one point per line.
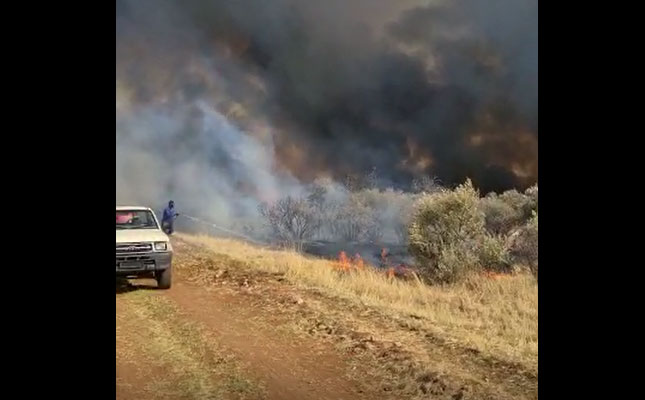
222 103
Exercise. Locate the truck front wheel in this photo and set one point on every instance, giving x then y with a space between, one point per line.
164 279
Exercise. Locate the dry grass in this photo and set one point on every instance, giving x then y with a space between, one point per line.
497 316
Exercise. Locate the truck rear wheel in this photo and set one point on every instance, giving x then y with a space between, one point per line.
164 279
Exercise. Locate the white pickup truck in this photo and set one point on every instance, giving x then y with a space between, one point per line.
143 250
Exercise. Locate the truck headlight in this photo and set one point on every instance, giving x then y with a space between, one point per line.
161 246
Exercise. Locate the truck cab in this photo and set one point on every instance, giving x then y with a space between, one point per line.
143 250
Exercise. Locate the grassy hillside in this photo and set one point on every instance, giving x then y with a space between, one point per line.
494 315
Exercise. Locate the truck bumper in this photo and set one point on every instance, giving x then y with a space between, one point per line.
142 264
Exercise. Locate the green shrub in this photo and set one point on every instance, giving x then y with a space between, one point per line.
532 194
445 233
500 216
523 245
523 203
455 263
493 254
510 210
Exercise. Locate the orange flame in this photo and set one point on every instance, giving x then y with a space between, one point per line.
343 262
346 264
358 262
494 275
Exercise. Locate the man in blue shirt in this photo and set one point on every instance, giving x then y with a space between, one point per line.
168 219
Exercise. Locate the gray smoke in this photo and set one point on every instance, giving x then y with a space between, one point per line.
193 155
221 104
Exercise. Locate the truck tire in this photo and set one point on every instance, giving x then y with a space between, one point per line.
164 279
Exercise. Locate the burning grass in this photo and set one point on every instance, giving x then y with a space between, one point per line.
496 315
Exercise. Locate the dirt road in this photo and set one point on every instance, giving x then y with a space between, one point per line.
224 332
220 334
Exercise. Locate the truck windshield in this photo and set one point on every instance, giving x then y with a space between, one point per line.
135 220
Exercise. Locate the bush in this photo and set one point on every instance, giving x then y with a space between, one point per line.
445 233
391 211
365 215
291 221
493 254
509 211
501 217
532 194
455 263
426 184
356 221
402 214
523 203
449 239
523 245
326 197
